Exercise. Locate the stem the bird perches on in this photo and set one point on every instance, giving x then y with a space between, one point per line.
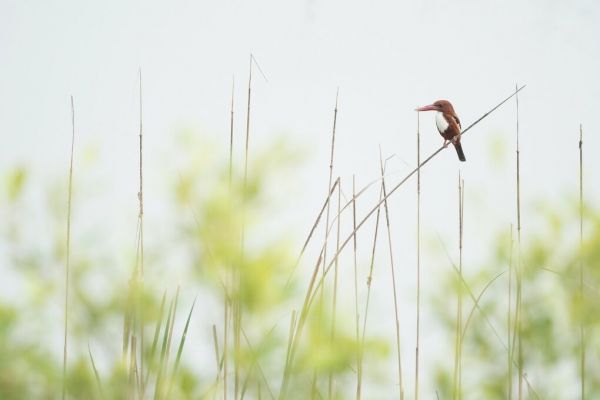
314 287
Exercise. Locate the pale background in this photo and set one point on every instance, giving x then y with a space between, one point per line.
386 58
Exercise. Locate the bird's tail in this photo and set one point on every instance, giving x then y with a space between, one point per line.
459 151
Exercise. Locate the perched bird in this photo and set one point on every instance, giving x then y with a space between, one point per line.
447 123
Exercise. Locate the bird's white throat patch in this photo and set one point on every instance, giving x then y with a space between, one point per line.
441 122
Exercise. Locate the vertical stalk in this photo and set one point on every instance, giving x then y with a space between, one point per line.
335 284
68 255
229 278
237 305
140 277
418 323
509 316
358 363
331 158
460 290
369 281
581 291
393 276
519 315
459 328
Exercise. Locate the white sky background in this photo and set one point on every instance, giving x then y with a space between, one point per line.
386 58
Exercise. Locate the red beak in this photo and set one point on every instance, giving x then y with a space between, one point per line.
430 107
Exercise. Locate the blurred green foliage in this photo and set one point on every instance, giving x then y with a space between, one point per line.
231 253
552 311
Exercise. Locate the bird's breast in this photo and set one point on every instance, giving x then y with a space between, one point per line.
441 122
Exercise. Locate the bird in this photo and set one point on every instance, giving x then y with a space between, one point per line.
447 123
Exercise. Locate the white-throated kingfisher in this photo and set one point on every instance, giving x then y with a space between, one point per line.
447 123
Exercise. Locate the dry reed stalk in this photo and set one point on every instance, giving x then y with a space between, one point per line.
393 275
68 253
327 214
231 133
229 274
459 317
418 322
312 231
354 241
335 284
237 324
519 275
582 344
509 343
141 243
369 281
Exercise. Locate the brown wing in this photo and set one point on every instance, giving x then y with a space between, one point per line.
453 129
457 121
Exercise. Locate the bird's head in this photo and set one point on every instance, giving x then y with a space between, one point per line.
443 106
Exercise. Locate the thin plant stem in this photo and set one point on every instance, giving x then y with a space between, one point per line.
237 305
96 374
509 343
335 285
141 242
331 159
369 282
229 274
418 322
312 231
255 362
519 315
582 310
393 276
231 132
216 350
291 333
68 253
459 317
354 241
476 304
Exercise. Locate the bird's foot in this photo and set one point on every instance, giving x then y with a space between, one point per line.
446 143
